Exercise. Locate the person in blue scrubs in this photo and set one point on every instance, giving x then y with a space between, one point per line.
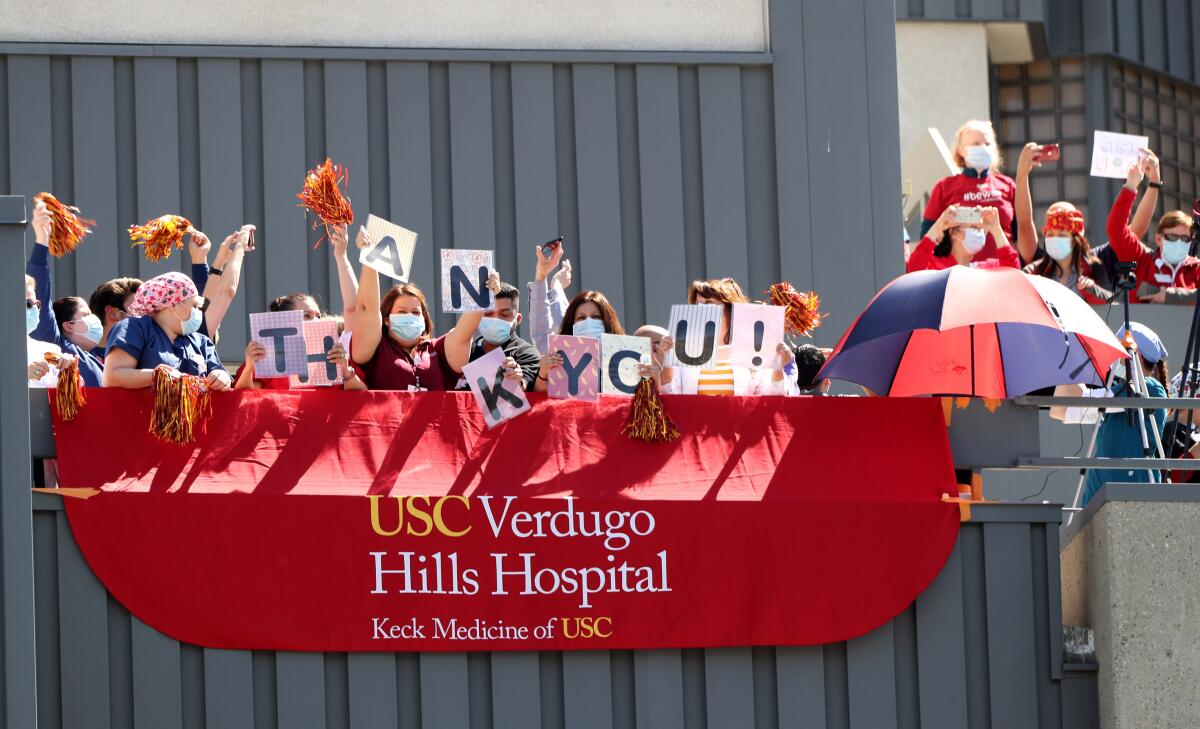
1120 436
69 323
163 330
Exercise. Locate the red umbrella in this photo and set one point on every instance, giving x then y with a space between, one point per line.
967 331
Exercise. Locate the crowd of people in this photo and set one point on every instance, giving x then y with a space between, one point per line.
981 217
978 217
128 328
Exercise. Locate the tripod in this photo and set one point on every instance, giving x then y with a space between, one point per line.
1189 376
1135 386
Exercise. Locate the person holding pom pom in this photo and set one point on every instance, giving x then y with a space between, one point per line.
163 330
68 324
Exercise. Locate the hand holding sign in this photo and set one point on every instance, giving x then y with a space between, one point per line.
1112 154
464 280
694 331
619 366
497 392
320 338
578 375
391 248
281 334
757 333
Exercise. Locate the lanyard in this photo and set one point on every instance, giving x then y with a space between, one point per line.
416 360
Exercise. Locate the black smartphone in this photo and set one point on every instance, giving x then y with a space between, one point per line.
549 246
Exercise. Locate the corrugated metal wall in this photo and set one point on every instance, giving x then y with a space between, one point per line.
1032 11
1158 34
980 648
660 168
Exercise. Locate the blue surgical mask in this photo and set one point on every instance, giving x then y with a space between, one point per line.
95 330
588 328
32 314
407 327
1059 247
979 157
973 240
191 325
1174 252
1118 370
495 330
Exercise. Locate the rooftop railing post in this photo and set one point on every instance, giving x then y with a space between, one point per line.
18 687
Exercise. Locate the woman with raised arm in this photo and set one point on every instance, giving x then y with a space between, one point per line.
588 315
1066 255
392 339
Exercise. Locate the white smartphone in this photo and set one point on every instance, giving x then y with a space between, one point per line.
968 216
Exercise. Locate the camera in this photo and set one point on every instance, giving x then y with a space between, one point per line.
1126 276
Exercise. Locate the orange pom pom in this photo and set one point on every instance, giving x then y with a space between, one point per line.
67 227
180 402
648 420
802 311
69 395
159 235
323 195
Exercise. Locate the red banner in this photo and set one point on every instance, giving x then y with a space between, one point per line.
355 521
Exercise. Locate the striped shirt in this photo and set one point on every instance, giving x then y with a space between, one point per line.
719 379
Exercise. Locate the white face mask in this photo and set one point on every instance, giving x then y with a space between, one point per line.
974 239
979 157
1174 252
1058 247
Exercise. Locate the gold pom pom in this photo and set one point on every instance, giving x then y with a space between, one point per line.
160 235
648 420
180 402
67 227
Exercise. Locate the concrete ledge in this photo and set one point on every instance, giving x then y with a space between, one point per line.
1129 570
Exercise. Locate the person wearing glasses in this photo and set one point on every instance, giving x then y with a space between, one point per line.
1167 273
163 329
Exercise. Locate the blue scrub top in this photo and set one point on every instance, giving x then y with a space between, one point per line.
1120 437
145 341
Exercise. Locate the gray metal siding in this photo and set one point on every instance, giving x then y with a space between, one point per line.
976 649
1033 11
659 168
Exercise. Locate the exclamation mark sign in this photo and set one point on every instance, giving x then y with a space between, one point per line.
760 330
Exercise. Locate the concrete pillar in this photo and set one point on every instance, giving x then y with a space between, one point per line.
1129 571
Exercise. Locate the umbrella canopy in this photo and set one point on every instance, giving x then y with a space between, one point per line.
971 331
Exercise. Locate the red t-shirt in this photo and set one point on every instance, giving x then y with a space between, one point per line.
267 383
285 383
993 190
392 369
922 258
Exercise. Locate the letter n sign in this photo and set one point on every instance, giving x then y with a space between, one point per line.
464 280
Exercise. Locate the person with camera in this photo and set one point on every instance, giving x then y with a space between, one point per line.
1168 273
1066 256
979 183
952 241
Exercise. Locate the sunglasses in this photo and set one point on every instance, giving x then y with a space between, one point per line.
31 303
1176 238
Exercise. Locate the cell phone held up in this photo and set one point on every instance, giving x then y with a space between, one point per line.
968 216
550 246
1049 153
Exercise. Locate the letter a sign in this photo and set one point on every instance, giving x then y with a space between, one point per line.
392 248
